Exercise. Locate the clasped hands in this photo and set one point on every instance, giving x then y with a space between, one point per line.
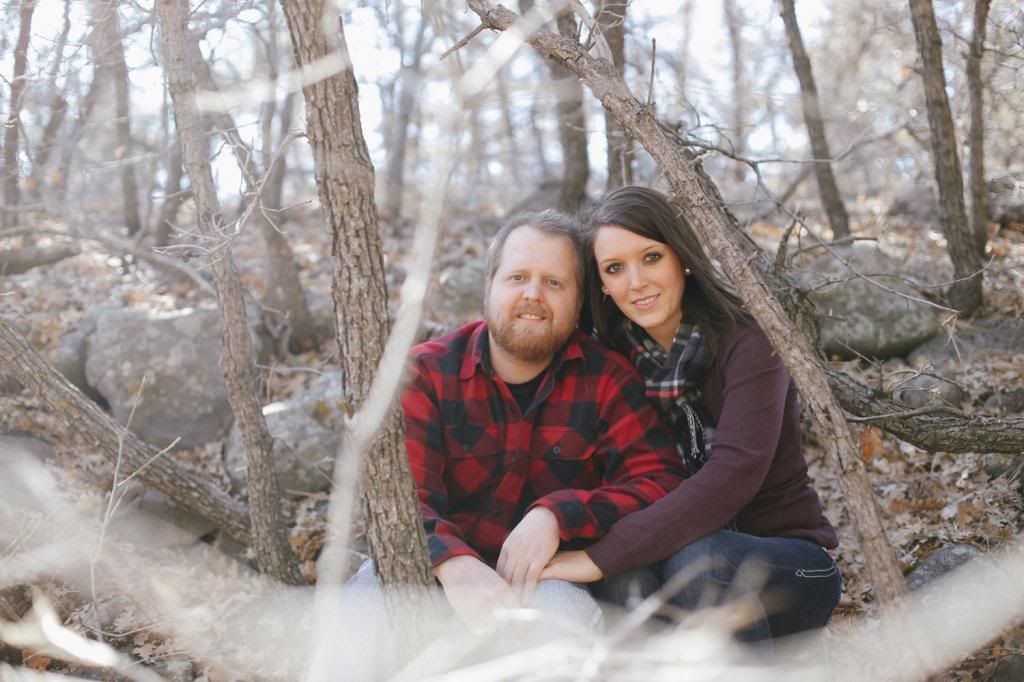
527 556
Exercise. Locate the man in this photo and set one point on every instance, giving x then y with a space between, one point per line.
523 434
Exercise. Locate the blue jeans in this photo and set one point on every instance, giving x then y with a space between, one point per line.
796 582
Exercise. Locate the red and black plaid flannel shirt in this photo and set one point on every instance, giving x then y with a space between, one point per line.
589 448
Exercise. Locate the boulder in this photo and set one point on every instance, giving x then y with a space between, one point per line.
68 357
971 339
1009 669
459 294
1009 401
178 353
152 519
1006 199
306 431
942 562
927 389
916 204
858 317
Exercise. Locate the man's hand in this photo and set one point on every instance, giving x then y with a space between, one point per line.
472 588
527 550
576 567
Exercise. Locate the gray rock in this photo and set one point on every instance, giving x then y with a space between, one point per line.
306 432
916 204
1006 402
179 354
978 336
1006 199
21 445
321 309
459 296
152 519
175 670
996 464
69 356
925 389
857 317
1009 669
942 562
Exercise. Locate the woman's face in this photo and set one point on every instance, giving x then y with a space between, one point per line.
645 279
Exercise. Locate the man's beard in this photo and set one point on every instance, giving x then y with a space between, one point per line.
526 341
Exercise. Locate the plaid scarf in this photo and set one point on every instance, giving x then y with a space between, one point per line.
674 381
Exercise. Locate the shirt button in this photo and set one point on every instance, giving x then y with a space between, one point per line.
556 449
465 448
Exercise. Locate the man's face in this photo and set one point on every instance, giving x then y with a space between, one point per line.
533 300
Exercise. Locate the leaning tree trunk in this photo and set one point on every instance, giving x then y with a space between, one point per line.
612 19
965 294
85 420
345 184
830 197
975 88
718 232
12 186
269 534
108 46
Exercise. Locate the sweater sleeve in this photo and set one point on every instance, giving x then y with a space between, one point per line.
755 384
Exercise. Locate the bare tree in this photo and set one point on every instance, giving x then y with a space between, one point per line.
269 534
830 197
738 126
108 47
58 107
612 18
976 136
697 200
345 184
283 288
12 169
966 292
408 88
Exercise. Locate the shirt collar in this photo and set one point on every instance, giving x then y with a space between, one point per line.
477 352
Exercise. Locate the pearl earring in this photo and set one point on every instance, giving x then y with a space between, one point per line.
688 271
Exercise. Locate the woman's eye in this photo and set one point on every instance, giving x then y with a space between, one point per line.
613 268
652 257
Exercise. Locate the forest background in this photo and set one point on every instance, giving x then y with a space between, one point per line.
254 167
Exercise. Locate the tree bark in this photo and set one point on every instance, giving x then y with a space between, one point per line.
976 136
269 534
108 48
87 421
174 197
12 167
612 18
345 184
283 289
966 292
745 265
830 197
85 109
58 108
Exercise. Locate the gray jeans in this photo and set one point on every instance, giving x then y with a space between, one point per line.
565 609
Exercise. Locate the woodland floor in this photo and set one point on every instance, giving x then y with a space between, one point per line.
928 500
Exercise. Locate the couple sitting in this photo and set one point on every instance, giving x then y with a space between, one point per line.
544 461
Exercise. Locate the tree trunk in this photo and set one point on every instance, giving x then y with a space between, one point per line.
746 266
269 534
58 108
283 288
84 419
734 26
830 197
108 48
409 87
85 109
976 90
174 197
345 184
966 293
12 169
612 19
572 125
513 159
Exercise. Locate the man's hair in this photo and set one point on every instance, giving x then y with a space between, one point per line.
550 222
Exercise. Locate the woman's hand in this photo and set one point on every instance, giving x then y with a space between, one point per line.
527 550
576 567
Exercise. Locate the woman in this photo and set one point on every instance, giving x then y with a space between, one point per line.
716 381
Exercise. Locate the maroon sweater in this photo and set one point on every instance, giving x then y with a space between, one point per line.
756 472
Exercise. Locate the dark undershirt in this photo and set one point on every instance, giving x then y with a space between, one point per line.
525 392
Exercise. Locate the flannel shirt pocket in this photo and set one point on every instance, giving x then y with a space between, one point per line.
562 443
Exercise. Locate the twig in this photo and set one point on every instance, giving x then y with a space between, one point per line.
462 43
932 409
650 83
